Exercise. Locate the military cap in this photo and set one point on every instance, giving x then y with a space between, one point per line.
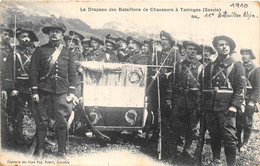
76 34
111 41
211 50
191 43
136 41
231 42
33 37
120 39
86 41
243 50
97 40
111 37
66 38
3 28
57 25
168 36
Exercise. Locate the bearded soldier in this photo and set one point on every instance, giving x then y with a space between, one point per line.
110 51
122 50
19 84
225 83
53 81
97 54
245 120
185 96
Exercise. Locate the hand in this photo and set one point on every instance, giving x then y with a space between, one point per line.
4 95
14 93
35 97
169 103
251 103
80 70
72 98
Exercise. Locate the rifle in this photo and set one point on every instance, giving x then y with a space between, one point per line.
86 119
159 144
14 55
199 149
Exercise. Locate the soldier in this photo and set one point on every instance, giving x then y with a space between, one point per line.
134 56
6 50
19 84
226 78
111 48
86 45
147 51
79 37
122 49
53 81
185 97
245 120
97 54
208 52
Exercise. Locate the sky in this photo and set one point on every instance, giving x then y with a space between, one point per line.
244 31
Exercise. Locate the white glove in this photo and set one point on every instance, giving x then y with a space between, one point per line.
35 98
72 98
14 93
4 95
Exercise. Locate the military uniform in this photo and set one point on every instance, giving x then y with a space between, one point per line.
136 58
245 120
184 102
229 75
52 89
22 85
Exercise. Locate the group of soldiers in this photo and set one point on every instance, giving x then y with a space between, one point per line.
47 79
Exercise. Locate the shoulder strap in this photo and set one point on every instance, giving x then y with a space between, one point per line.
54 58
20 60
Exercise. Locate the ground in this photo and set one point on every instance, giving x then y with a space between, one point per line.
130 149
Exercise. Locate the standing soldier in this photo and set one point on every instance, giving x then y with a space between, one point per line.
19 84
186 94
226 79
208 52
245 120
86 46
5 51
97 54
110 51
122 49
53 80
147 51
135 56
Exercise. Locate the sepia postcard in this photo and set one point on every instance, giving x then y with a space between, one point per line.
121 113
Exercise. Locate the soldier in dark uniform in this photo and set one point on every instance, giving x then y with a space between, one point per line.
226 78
53 81
135 56
110 51
185 97
97 54
147 51
19 85
122 50
6 50
208 52
245 119
86 45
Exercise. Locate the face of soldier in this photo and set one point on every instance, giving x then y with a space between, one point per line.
85 47
246 57
5 37
71 44
122 45
55 35
145 48
207 53
165 43
109 46
191 51
24 39
223 47
94 44
133 47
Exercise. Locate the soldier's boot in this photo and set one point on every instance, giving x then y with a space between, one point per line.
239 132
61 139
187 147
40 139
231 153
247 133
